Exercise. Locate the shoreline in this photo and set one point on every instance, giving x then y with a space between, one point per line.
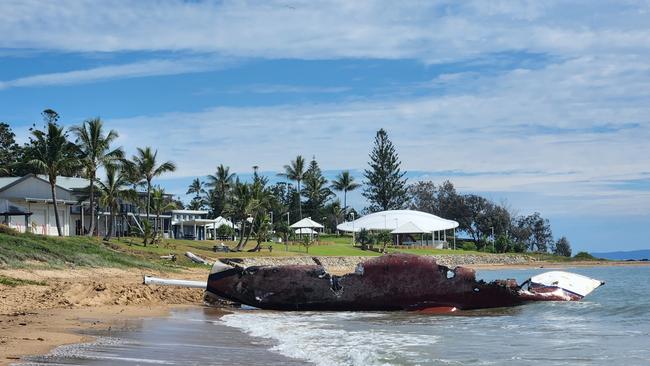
34 319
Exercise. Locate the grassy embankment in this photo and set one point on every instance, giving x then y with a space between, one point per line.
35 251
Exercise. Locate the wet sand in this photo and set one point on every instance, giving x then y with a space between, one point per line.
34 319
190 335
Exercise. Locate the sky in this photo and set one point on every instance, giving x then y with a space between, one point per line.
543 106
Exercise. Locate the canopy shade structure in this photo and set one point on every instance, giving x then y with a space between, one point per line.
306 230
392 219
307 222
409 228
8 208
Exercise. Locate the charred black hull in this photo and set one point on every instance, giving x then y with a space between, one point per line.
387 283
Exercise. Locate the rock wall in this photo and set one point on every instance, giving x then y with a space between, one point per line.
339 263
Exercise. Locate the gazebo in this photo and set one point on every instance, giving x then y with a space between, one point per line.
306 223
401 222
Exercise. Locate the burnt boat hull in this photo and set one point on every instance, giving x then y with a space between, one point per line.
390 282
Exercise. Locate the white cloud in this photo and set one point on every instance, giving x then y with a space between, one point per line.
565 131
429 31
130 70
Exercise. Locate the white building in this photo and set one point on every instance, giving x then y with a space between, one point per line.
26 205
194 224
33 194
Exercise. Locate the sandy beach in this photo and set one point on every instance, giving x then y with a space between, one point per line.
36 318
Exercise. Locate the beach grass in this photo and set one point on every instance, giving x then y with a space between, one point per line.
13 282
30 250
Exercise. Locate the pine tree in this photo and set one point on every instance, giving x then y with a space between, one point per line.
315 190
385 182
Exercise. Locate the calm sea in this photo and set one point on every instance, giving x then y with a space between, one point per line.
611 326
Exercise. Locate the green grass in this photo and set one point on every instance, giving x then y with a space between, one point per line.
13 282
29 250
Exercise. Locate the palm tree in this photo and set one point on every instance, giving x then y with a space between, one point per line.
160 204
296 171
52 153
146 168
196 188
238 207
344 182
96 152
112 191
221 182
334 209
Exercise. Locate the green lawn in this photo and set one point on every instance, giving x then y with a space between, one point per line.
29 250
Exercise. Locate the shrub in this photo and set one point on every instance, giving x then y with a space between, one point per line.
584 256
519 247
468 245
4 229
383 237
225 231
363 237
502 244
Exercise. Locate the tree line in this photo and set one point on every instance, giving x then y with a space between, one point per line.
81 151
258 206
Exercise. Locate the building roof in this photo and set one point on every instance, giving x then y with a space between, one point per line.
67 183
307 222
392 219
190 212
5 181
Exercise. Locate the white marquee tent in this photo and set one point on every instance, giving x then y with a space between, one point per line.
402 222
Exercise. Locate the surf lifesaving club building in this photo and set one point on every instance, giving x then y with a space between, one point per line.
26 205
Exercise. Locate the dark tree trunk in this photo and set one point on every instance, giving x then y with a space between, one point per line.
148 198
56 208
109 231
91 230
299 200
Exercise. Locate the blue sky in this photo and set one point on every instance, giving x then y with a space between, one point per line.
542 105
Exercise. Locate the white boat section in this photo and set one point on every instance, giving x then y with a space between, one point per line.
571 282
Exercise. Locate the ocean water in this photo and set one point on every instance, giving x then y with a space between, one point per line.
612 325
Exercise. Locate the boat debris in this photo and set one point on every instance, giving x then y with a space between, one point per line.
386 283
389 282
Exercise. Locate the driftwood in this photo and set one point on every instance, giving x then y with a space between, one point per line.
195 258
171 257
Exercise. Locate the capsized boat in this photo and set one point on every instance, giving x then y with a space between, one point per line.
389 282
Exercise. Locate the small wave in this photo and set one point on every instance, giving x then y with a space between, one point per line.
331 338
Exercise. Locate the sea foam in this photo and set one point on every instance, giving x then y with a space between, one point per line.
333 338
